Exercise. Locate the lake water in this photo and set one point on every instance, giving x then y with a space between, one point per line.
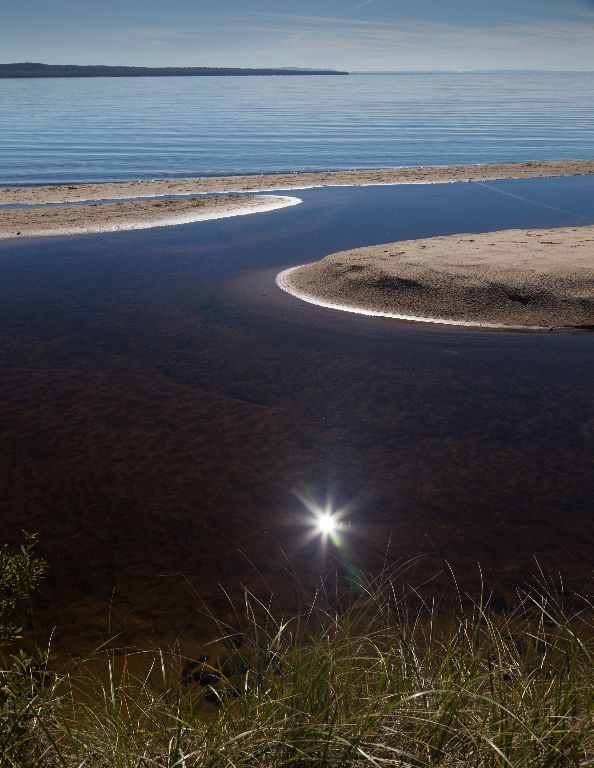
120 128
162 402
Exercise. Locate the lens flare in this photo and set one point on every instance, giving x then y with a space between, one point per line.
327 524
324 521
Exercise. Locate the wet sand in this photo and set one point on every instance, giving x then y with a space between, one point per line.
111 217
535 278
60 193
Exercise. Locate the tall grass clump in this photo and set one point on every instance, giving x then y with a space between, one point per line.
26 684
372 682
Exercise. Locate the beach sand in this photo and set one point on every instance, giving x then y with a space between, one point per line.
111 217
60 193
520 278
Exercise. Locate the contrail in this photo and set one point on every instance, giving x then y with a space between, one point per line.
527 200
356 7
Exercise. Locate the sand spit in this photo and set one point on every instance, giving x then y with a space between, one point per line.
61 193
535 279
112 217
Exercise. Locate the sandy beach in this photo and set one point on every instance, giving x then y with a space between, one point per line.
516 278
112 217
61 193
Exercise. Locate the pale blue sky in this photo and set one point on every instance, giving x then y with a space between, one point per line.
346 34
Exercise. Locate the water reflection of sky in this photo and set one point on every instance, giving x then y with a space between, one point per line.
139 128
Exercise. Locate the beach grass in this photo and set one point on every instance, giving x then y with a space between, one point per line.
360 677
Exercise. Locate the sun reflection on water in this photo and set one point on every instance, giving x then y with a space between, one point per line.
324 522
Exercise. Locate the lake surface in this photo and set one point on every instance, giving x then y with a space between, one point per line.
163 404
56 130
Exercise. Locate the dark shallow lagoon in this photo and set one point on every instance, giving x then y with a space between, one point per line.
163 403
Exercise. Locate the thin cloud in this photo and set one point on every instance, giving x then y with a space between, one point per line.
256 39
357 7
355 44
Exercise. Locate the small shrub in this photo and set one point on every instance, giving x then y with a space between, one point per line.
24 678
20 573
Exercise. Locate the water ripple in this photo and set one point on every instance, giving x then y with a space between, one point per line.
118 128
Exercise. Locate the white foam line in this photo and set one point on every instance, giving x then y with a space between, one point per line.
283 282
279 201
282 188
354 184
277 188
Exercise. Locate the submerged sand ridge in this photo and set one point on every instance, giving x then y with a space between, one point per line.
111 217
60 193
518 278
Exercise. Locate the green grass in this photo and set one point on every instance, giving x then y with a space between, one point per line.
370 684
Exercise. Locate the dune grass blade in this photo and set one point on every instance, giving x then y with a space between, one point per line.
351 681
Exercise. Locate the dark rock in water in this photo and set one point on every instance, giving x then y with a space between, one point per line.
189 668
232 666
199 672
207 678
213 697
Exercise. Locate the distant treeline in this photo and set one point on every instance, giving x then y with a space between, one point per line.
31 69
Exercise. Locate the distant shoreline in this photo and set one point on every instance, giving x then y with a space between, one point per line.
38 70
81 192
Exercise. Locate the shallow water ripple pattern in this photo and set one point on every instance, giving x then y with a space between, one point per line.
120 128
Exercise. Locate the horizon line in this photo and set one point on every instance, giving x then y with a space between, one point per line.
301 67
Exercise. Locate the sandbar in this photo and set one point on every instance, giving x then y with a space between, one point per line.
517 278
53 220
60 193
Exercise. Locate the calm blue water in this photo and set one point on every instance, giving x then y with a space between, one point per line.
121 128
159 393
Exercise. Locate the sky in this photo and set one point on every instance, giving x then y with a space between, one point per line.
356 35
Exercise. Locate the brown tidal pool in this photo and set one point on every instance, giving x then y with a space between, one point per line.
164 409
